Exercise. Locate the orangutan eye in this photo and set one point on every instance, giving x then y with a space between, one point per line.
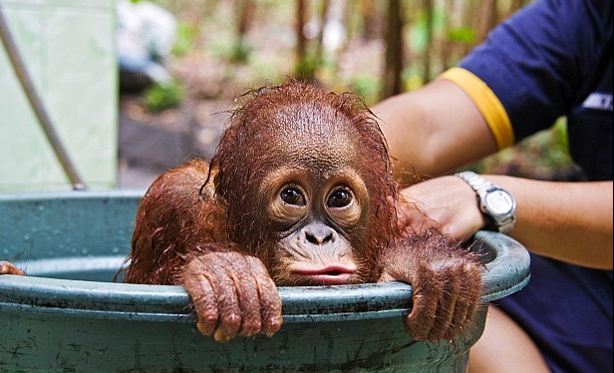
340 198
292 196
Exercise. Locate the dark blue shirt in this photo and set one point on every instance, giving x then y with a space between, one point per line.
554 58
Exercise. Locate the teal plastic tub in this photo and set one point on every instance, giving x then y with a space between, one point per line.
69 316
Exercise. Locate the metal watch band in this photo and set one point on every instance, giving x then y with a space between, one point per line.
474 180
482 187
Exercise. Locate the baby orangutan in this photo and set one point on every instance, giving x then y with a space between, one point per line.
299 192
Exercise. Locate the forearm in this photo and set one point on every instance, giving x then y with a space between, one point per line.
571 222
566 221
437 129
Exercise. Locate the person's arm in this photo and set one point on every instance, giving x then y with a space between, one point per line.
563 220
517 83
433 130
567 221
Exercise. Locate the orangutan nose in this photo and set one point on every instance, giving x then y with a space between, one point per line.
319 234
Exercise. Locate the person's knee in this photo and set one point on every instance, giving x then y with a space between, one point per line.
505 348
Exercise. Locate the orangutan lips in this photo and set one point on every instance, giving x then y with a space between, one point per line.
329 275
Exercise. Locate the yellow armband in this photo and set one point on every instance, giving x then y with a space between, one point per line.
487 103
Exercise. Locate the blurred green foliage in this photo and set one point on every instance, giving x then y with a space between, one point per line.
159 97
241 52
366 86
465 35
207 32
543 156
186 38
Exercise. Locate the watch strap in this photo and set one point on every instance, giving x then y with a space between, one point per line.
482 186
475 181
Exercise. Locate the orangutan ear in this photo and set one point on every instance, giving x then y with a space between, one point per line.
214 181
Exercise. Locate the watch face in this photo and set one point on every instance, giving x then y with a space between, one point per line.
499 202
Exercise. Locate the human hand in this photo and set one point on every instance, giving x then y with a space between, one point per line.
446 203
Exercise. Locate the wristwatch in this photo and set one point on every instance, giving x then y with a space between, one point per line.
496 203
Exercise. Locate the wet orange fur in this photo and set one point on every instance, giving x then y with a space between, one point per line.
194 218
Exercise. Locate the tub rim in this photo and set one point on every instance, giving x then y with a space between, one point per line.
508 272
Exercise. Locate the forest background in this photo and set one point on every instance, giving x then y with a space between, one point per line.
375 48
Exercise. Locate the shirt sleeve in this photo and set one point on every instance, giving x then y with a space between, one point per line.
533 64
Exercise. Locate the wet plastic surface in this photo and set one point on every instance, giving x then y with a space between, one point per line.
68 315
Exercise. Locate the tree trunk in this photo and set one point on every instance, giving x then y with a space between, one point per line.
490 18
429 15
367 13
302 71
394 50
319 54
446 45
301 40
470 21
244 16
